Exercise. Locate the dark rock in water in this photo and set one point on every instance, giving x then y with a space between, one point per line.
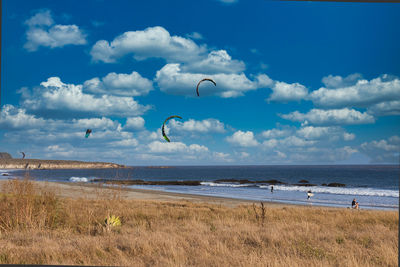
5 155
303 182
324 184
5 174
272 182
336 185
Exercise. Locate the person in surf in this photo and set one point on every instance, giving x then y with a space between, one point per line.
309 194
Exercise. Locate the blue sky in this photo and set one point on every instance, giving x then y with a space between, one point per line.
297 82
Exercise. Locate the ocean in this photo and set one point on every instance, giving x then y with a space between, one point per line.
373 186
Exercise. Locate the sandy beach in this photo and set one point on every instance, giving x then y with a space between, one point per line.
91 191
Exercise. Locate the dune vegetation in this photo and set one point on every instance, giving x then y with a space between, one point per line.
39 227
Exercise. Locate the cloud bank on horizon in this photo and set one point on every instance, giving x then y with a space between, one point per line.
133 79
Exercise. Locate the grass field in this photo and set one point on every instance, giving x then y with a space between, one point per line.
39 227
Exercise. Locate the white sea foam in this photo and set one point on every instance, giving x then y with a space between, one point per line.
225 184
79 179
5 174
317 189
339 190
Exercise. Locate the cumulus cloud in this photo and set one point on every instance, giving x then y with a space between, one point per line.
215 62
363 93
12 118
331 81
119 84
333 132
283 92
172 80
153 42
174 147
243 139
385 108
273 133
43 32
134 123
223 157
63 99
203 126
343 116
382 151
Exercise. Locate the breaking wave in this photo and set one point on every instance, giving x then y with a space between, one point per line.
317 189
79 179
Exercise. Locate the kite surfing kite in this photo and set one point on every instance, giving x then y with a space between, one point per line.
162 129
206 79
23 155
88 132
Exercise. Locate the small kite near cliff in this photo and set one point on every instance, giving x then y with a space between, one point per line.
162 129
23 155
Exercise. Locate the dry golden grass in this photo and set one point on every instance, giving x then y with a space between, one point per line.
37 227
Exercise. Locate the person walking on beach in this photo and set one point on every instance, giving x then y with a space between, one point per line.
272 188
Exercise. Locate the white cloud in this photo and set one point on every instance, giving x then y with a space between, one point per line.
273 133
385 108
175 147
172 80
283 92
332 132
280 154
119 84
224 157
195 35
382 151
216 62
153 42
42 18
348 136
343 116
96 123
243 139
294 141
134 123
270 143
204 126
54 95
42 32
340 82
132 142
12 118
363 93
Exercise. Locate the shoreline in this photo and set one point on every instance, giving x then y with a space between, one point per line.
91 191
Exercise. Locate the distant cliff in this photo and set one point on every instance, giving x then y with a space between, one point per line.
9 163
4 155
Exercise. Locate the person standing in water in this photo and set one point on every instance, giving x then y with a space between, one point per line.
309 194
272 188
